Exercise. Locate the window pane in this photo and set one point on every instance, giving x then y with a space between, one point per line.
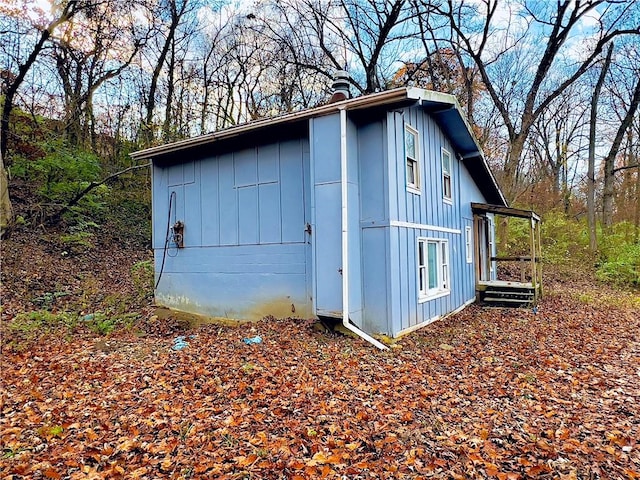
432 258
410 143
421 254
447 186
411 180
446 162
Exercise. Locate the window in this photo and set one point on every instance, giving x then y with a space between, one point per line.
433 268
412 154
468 244
446 175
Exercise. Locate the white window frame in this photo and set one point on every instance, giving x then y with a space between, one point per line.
413 185
468 243
447 177
443 271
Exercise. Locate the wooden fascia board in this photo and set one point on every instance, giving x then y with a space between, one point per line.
507 211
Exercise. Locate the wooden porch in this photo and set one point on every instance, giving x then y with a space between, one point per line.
520 284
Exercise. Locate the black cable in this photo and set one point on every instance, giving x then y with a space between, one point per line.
166 240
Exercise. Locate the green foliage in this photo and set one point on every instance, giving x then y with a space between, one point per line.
130 211
41 321
565 244
77 239
621 266
142 274
60 174
564 241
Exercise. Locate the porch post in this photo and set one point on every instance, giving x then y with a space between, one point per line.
532 239
539 258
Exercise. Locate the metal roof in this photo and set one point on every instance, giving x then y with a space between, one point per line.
444 108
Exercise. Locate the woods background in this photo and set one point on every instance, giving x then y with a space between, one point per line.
551 89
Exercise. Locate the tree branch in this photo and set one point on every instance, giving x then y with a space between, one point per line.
80 195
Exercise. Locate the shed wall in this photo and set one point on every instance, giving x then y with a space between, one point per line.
246 253
426 215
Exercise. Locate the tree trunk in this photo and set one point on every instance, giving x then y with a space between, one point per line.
511 166
6 210
176 16
168 113
591 180
636 216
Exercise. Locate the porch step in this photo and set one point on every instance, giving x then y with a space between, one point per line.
507 296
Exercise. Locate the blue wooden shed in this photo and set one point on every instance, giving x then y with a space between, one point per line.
360 210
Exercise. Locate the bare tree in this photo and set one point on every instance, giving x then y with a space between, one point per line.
67 10
363 36
98 46
626 109
11 85
174 11
557 140
519 96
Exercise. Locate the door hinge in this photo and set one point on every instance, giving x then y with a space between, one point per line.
307 228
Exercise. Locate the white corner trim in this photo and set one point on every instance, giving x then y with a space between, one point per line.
422 226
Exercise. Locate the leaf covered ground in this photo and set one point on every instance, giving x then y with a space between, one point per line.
487 393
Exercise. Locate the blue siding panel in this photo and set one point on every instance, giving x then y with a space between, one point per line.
268 157
374 278
228 206
210 201
232 206
159 202
246 167
292 192
192 215
270 219
189 172
236 282
371 156
176 175
355 254
326 149
328 246
248 215
426 209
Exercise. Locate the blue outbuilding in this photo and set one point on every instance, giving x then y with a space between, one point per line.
359 209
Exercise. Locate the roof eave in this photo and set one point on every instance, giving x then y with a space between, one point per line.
376 99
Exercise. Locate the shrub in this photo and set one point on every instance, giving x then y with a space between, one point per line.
41 321
59 175
621 266
564 241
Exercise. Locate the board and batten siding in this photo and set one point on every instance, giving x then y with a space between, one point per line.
326 201
374 225
425 215
246 252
